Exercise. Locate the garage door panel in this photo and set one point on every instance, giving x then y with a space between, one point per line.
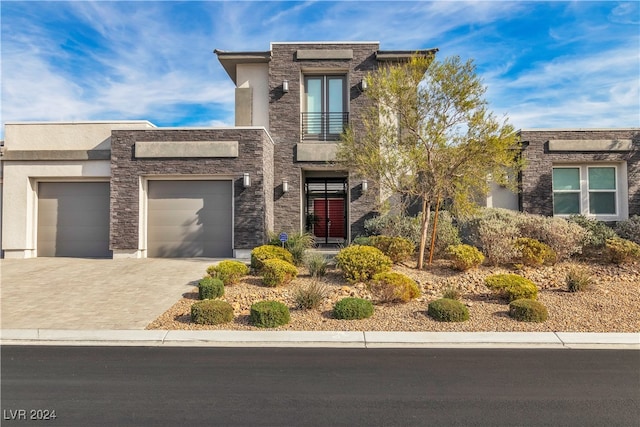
189 219
73 219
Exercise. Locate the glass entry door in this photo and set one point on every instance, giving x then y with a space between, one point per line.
326 209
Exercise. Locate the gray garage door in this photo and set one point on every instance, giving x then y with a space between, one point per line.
73 219
189 219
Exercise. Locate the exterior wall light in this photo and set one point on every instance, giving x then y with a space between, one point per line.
246 180
285 186
285 86
365 186
363 85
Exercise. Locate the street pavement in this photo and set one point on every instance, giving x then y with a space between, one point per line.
54 301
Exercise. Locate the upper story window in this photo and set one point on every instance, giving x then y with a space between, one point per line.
591 190
324 114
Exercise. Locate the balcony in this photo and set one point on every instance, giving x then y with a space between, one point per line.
323 126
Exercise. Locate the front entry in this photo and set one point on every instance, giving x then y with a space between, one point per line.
326 209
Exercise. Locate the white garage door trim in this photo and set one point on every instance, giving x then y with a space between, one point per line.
161 236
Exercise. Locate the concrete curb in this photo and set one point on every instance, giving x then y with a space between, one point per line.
327 339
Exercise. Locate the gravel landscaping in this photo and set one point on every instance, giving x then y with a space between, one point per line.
610 305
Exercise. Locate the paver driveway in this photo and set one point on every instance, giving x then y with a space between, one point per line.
74 293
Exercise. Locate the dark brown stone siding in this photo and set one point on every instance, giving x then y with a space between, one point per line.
537 191
285 127
253 206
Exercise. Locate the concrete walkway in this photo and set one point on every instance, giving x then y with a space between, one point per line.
70 301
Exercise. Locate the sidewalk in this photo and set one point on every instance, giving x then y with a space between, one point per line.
329 339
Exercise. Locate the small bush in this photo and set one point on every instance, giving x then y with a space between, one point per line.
230 272
362 240
269 314
512 286
448 310
451 293
211 312
394 226
526 310
210 288
620 251
276 272
297 245
597 232
317 264
629 229
361 263
311 296
564 237
534 253
262 253
578 279
397 248
464 256
352 308
393 287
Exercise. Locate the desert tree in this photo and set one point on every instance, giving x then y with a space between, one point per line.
428 135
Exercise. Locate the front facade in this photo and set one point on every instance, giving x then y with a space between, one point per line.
131 189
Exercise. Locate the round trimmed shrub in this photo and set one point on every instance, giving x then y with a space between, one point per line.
512 286
352 308
397 248
361 263
276 272
393 287
448 310
229 271
526 310
269 314
211 312
464 257
210 288
534 253
262 253
620 251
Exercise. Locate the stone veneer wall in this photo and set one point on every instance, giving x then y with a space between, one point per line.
537 190
285 127
253 206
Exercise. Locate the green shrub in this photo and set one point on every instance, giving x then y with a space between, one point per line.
210 288
447 233
269 314
620 251
564 237
451 293
464 256
526 310
361 263
265 252
397 248
317 264
310 296
512 286
629 229
448 310
211 312
494 231
597 232
534 253
578 279
393 287
352 308
276 272
394 226
362 240
297 245
230 272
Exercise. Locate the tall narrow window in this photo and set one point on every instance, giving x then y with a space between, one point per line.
566 191
325 107
602 190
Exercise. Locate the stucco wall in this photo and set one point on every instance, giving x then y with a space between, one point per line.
256 76
537 190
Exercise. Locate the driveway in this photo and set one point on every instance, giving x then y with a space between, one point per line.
75 293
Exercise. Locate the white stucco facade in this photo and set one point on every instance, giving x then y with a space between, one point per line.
256 77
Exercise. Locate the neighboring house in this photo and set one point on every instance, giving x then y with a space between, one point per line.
131 189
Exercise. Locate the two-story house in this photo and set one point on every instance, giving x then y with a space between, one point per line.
131 189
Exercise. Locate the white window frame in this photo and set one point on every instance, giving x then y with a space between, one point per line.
620 190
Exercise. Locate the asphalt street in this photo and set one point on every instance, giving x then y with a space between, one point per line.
140 386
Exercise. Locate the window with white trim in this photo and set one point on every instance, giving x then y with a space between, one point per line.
591 190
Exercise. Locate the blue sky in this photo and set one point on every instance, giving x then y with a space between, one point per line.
545 64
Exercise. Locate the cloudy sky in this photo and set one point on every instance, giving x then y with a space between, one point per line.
545 64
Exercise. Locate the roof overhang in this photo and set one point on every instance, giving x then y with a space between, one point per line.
403 55
230 60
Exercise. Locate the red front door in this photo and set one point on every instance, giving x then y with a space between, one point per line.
330 218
